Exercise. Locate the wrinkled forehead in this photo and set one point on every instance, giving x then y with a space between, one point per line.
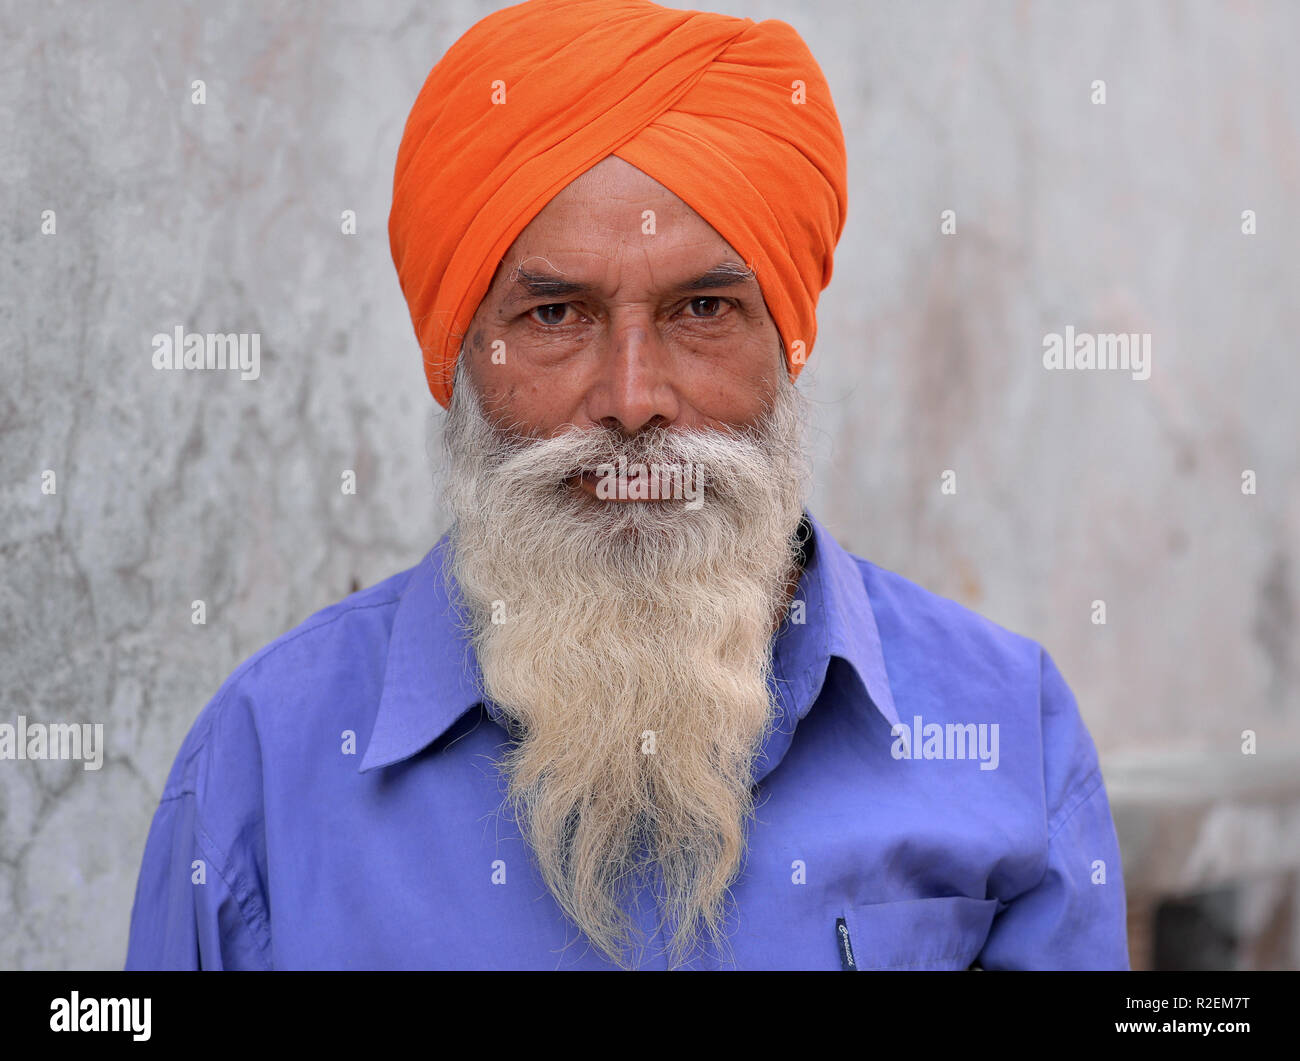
615 227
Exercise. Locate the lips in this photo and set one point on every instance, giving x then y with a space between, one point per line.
588 482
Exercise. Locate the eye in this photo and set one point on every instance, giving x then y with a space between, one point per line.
708 305
551 314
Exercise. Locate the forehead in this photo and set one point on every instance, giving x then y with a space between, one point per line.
616 216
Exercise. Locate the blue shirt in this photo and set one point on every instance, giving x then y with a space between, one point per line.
337 805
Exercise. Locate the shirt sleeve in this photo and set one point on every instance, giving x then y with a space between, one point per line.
197 902
188 912
1075 916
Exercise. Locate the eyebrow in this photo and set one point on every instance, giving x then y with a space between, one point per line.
526 284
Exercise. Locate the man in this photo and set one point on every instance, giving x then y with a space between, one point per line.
638 708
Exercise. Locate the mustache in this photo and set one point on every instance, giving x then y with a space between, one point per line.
576 451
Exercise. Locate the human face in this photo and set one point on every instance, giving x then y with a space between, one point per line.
613 313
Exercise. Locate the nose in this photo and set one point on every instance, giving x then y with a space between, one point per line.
635 389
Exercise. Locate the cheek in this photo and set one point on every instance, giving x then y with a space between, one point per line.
519 397
733 390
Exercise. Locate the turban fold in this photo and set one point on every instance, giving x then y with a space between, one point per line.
732 116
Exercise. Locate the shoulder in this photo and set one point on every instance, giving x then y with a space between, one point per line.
949 663
920 625
337 654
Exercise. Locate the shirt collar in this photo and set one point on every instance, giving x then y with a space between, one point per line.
838 623
432 675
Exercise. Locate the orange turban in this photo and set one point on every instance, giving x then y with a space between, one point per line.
732 116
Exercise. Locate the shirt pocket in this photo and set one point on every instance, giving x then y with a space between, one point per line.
943 933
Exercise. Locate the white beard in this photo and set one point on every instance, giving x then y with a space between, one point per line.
633 660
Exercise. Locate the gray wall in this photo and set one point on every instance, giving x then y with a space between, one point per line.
1071 486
